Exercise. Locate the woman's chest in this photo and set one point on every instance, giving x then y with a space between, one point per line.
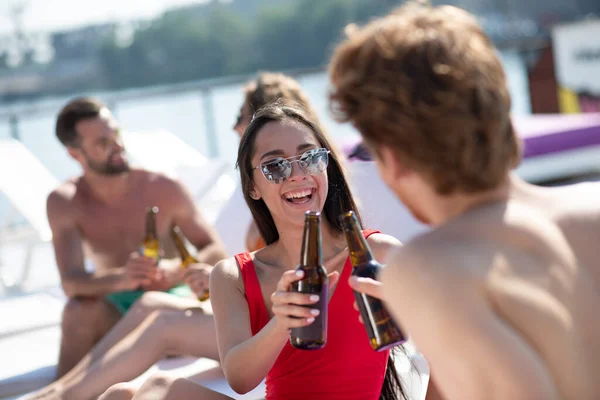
269 281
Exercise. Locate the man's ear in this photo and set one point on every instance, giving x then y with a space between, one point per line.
74 152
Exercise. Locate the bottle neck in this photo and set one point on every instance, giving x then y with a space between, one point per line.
358 248
179 244
151 226
311 253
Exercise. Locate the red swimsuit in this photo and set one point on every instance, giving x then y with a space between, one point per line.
346 368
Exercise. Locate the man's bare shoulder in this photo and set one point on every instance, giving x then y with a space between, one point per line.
468 249
62 199
443 244
158 182
436 259
151 177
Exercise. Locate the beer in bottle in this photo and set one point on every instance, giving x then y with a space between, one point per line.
382 330
315 281
186 257
151 245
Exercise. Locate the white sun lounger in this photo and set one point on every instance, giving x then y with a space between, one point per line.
26 183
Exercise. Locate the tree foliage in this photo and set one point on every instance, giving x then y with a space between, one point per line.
219 39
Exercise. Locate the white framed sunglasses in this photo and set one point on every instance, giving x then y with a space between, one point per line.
313 162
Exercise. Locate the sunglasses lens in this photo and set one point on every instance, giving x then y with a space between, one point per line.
315 162
276 171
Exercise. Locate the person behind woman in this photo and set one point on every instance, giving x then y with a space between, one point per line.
267 88
288 166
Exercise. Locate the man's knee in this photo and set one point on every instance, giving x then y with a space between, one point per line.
120 391
85 313
149 302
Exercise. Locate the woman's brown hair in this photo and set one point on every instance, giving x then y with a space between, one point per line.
270 87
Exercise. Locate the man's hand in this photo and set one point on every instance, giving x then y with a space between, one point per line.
197 276
138 271
168 274
367 286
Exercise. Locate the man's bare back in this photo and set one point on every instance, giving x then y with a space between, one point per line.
521 284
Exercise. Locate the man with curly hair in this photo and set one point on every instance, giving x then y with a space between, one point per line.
501 295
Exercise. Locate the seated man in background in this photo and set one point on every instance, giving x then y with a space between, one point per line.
100 215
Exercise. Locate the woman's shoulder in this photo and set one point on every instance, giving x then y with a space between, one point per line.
226 273
380 238
381 244
231 271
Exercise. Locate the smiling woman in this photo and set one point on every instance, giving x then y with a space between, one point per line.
287 167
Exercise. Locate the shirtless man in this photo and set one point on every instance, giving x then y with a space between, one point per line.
100 216
502 294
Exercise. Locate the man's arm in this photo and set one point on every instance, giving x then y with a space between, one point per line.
69 253
194 227
473 353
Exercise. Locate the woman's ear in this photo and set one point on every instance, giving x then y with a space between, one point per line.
254 194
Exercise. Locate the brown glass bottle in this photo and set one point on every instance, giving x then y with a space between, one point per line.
382 330
315 281
186 257
150 244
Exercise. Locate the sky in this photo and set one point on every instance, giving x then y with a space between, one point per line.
49 15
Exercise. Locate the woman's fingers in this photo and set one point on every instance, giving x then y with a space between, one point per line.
287 279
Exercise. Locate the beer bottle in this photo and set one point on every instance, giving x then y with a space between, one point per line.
382 330
315 281
151 245
186 257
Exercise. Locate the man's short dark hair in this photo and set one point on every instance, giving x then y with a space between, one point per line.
75 111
